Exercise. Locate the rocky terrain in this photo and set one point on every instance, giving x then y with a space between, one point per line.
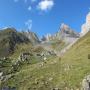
55 62
10 37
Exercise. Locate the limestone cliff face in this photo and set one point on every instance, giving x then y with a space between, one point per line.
32 37
67 34
86 26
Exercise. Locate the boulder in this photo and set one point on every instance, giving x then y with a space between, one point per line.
8 88
41 64
24 56
38 54
86 83
1 73
44 58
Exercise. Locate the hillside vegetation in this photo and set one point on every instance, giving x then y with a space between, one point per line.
9 37
56 73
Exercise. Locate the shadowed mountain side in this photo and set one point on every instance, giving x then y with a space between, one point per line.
9 38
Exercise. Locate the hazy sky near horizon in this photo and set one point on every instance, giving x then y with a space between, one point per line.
43 16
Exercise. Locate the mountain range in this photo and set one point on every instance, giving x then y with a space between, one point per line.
10 37
54 62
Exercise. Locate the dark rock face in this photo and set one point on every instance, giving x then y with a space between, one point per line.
25 56
67 34
9 37
32 37
65 31
43 38
8 88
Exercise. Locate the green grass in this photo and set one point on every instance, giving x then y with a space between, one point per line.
8 39
58 45
67 72
20 48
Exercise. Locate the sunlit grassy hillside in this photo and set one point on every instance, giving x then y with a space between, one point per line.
57 73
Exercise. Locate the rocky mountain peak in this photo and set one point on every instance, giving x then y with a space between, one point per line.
64 33
64 26
32 36
86 26
65 29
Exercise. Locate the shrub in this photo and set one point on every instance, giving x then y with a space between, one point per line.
88 56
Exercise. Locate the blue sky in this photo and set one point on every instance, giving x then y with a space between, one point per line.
43 16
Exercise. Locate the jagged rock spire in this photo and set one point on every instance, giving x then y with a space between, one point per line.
86 26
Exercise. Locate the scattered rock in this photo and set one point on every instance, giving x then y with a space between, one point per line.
50 79
41 64
43 54
24 56
8 88
38 54
1 73
44 58
86 83
1 76
52 53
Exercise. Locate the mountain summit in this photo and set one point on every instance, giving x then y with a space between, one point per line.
86 26
32 37
9 38
65 33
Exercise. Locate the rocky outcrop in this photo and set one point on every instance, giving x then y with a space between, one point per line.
8 88
9 37
66 34
86 26
32 37
86 83
25 56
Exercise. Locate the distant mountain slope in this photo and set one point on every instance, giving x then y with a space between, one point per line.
32 37
56 73
67 34
65 37
9 38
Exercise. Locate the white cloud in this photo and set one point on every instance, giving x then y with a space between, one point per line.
28 24
45 5
29 8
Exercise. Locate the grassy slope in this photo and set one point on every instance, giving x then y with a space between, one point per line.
58 45
20 48
67 72
8 39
